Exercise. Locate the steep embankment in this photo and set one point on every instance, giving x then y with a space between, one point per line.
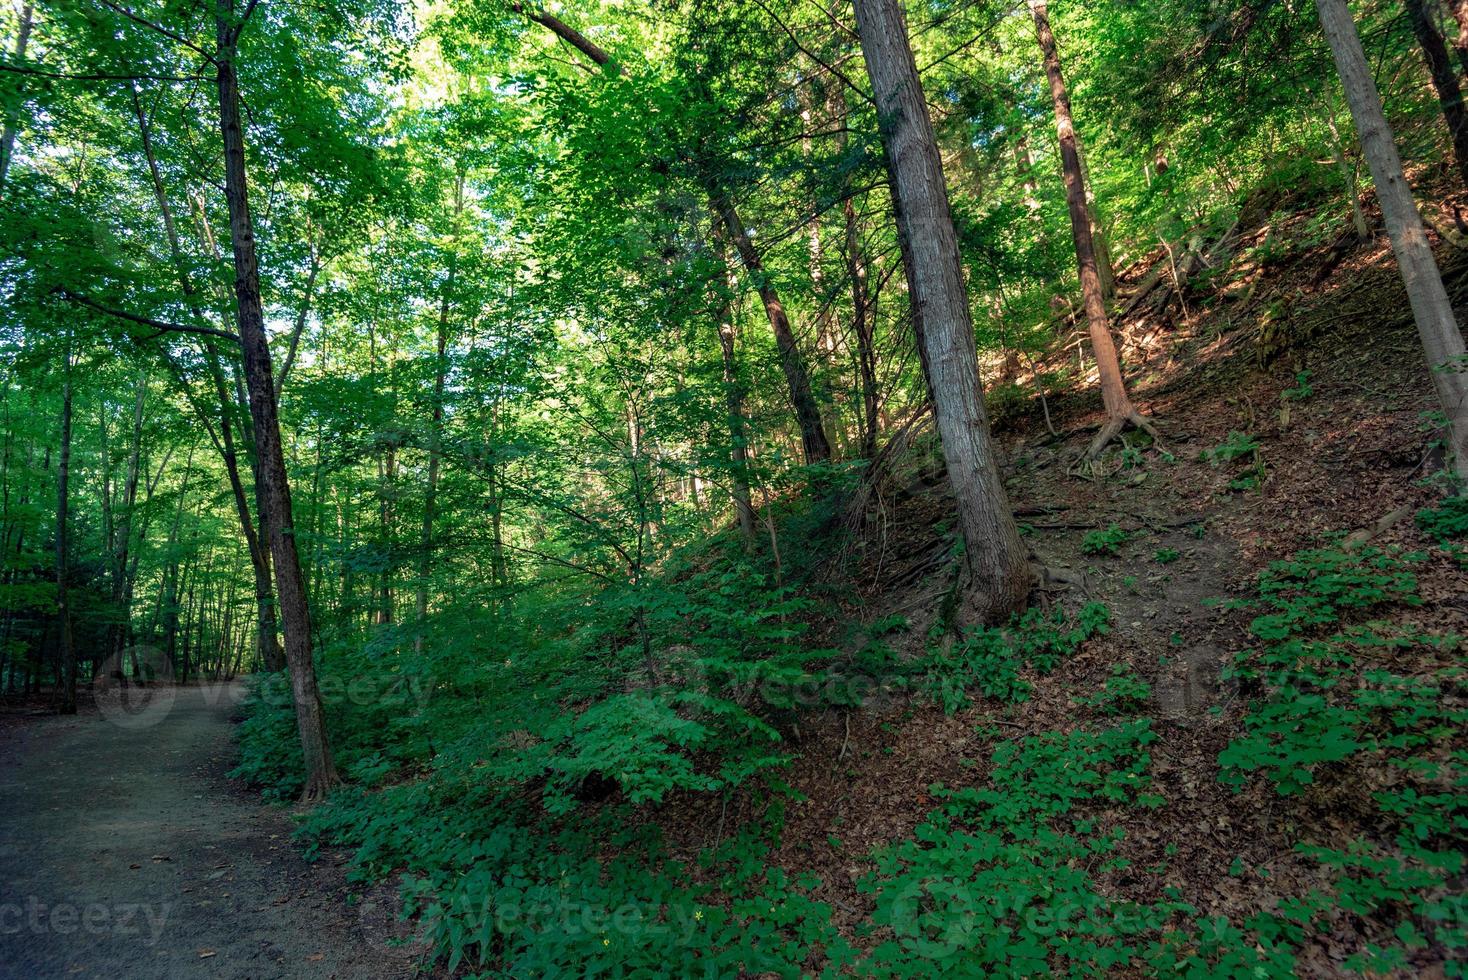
1292 391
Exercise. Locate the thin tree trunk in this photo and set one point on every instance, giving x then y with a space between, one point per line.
1444 80
1441 339
7 137
807 414
271 656
824 323
67 658
995 559
734 403
321 774
122 586
435 423
862 321
1119 409
1349 174
1460 43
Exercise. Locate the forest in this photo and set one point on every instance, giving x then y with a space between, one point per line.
899 488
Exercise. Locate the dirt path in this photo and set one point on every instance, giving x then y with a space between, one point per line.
125 852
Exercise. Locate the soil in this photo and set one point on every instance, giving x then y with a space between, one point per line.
126 852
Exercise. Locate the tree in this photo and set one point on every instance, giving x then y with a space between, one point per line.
321 774
7 134
1119 409
797 376
1459 9
65 640
1436 326
994 558
1445 81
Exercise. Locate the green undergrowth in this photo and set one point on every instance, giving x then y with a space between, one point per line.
516 800
1346 700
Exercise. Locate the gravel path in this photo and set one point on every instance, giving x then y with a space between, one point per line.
125 852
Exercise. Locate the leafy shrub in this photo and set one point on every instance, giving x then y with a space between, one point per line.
1123 693
1107 542
989 659
1236 446
1301 389
1447 521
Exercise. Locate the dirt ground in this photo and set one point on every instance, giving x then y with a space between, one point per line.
125 852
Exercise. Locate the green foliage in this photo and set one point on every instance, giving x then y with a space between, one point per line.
1104 542
1301 389
999 879
1330 702
1166 556
1236 446
1124 693
989 659
1448 521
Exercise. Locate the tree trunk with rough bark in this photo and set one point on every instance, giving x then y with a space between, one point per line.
1442 341
321 773
1445 80
1119 408
995 560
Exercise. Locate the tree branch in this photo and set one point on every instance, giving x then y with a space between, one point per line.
159 325
96 76
172 36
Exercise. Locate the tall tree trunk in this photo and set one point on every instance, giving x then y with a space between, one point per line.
1119 409
1349 173
435 422
1444 79
267 645
995 559
824 321
862 319
321 773
734 401
1460 43
7 137
122 586
1441 339
67 650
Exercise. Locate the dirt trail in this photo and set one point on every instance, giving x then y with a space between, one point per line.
125 852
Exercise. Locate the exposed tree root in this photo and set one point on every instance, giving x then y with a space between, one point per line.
1114 427
317 790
